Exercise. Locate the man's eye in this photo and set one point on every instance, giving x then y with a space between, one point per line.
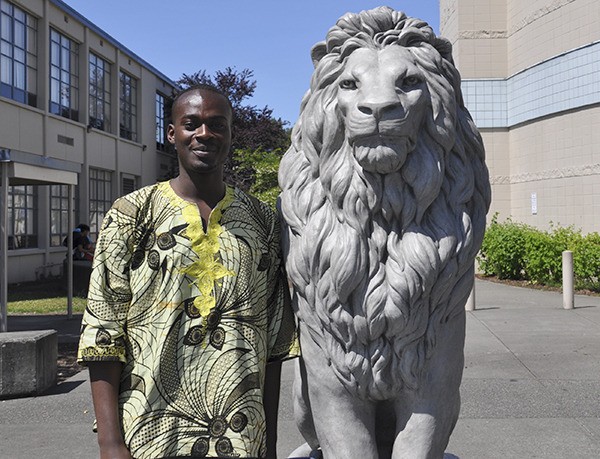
348 84
189 126
218 126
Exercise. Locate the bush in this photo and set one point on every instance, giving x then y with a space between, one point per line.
517 251
502 252
586 262
543 259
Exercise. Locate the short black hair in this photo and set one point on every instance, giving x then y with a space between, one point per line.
83 227
201 87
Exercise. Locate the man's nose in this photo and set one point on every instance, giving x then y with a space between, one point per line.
203 131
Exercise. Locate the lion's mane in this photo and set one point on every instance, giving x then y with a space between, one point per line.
379 262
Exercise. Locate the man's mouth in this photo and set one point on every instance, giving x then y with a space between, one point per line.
203 151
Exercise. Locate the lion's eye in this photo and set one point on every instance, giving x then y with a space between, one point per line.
348 84
410 81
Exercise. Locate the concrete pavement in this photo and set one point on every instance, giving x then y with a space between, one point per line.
531 386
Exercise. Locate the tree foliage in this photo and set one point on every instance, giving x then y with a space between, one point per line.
254 129
265 165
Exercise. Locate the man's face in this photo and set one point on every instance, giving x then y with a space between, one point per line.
201 131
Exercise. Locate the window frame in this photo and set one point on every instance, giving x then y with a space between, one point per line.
100 197
59 194
18 54
99 88
128 106
161 122
27 238
63 75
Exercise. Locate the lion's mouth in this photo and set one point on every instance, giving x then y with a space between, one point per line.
374 140
382 153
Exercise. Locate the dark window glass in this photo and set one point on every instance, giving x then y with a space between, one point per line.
64 79
160 123
99 93
22 215
18 54
128 99
100 198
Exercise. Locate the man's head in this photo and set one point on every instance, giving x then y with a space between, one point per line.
199 87
201 129
83 228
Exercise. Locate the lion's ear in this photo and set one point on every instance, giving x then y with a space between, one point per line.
444 47
317 52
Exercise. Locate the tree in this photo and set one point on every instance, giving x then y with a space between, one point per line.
254 129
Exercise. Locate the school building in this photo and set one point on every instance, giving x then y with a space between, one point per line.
531 80
79 114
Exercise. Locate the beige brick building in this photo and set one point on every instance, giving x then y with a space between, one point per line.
78 109
531 80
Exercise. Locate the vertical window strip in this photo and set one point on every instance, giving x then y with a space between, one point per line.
160 122
64 79
22 217
18 58
99 108
100 198
128 99
59 214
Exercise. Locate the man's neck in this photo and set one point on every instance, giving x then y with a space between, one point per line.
203 189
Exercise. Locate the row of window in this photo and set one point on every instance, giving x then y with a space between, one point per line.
23 209
18 77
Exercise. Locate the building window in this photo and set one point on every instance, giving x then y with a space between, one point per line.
100 198
99 93
160 123
64 79
18 55
22 213
59 214
128 185
128 107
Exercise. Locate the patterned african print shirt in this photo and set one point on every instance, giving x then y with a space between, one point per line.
194 315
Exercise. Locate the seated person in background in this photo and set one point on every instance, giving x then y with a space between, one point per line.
83 249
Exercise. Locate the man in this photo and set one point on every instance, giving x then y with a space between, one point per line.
83 249
188 302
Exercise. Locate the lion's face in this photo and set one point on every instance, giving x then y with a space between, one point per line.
383 98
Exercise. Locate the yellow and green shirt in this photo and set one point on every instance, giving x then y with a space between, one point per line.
194 315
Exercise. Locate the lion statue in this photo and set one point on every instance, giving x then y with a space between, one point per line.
384 198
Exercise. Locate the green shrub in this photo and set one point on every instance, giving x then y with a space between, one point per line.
543 259
503 249
586 262
517 251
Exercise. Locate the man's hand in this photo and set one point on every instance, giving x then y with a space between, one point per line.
105 379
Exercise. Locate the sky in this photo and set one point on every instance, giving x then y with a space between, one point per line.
273 38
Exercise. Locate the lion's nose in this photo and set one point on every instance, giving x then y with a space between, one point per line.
378 109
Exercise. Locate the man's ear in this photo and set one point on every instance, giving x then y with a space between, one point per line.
171 134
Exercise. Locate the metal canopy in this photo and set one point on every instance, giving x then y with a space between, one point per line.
15 173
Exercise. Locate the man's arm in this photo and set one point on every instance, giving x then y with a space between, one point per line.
271 405
105 378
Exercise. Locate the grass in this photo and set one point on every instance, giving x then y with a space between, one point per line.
41 297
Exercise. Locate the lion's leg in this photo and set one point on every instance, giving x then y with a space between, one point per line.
302 409
344 424
427 416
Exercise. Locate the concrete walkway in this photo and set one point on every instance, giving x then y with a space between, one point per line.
531 386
